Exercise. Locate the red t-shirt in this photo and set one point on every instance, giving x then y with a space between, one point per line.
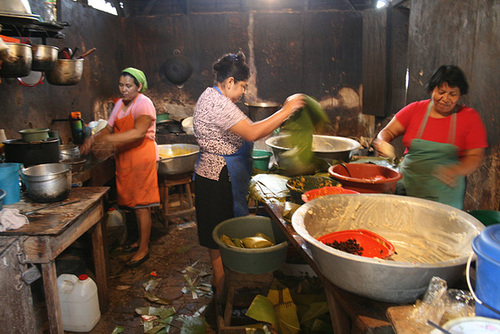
470 130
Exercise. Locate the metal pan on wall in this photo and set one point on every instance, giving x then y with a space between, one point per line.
178 68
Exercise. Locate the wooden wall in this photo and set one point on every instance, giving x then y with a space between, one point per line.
465 33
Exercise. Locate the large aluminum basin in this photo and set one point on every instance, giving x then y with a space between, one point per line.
329 148
431 239
177 159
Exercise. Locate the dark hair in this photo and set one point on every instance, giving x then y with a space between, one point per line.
126 74
231 65
450 74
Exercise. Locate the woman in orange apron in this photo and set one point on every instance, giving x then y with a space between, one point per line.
131 129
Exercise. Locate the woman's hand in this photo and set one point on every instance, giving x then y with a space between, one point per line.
447 174
384 149
293 103
86 147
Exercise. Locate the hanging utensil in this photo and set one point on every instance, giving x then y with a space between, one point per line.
85 54
50 206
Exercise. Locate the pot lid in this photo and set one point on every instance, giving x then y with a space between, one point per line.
262 104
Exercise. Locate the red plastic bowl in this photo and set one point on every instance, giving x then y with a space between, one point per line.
315 193
366 178
373 244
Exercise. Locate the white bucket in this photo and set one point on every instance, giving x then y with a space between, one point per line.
79 302
117 222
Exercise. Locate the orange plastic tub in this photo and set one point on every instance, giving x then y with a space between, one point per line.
315 193
373 244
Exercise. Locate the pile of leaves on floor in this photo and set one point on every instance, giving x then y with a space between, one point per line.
158 320
293 305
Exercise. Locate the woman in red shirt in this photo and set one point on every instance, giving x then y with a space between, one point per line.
445 141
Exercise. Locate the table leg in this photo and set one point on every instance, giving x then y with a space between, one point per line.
100 265
339 318
52 297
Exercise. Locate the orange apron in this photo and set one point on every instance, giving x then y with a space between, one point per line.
136 175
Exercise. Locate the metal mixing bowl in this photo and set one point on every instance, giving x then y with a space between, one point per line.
431 239
177 158
328 148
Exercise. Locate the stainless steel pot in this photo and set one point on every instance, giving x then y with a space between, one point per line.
44 57
16 61
66 72
328 148
47 182
177 158
259 110
69 151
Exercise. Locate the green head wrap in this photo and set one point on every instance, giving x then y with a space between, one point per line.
139 76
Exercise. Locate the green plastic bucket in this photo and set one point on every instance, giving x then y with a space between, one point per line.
9 181
261 159
251 260
487 217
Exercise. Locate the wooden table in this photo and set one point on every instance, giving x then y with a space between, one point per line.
52 230
349 313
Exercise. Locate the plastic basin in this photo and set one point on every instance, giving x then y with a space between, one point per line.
315 193
251 260
261 159
298 185
366 178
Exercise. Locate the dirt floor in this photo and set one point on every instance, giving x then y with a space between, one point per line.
176 278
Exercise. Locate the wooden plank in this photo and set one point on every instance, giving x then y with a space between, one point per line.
374 62
52 297
17 312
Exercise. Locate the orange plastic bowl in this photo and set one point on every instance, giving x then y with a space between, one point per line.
366 178
373 244
315 193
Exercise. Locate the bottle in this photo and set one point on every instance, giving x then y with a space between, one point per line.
77 127
79 302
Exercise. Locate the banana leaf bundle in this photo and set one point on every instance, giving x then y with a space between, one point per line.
259 240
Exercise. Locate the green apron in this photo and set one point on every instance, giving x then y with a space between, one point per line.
422 159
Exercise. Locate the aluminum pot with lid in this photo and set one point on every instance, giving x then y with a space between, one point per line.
47 182
16 61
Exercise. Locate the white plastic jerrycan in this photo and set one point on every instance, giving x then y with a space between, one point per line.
79 302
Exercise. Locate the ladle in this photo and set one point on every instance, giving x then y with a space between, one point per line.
348 172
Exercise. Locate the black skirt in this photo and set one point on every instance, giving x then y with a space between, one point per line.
214 204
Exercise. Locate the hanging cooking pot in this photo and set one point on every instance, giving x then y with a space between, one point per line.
16 61
44 57
178 68
67 72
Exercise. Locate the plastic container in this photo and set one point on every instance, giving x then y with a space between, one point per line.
251 260
79 302
373 244
315 193
9 181
487 248
298 185
2 196
261 159
487 217
117 222
366 178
